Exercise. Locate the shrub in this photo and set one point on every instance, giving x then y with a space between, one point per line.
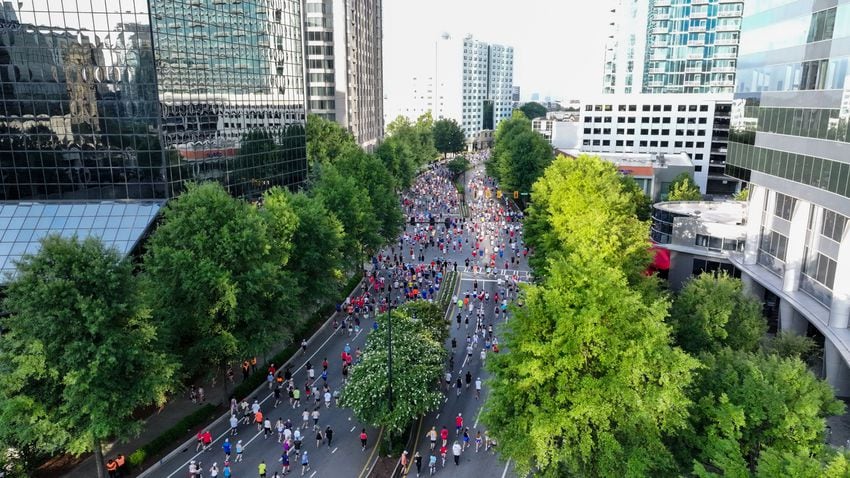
168 437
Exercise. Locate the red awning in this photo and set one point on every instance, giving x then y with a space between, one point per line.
661 261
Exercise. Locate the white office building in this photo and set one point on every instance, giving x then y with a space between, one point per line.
697 125
344 58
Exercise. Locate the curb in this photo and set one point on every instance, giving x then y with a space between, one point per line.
188 443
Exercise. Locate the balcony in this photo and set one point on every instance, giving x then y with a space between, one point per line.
722 83
723 69
734 13
693 83
661 16
726 41
660 55
725 54
662 3
696 42
660 31
656 70
696 28
654 84
693 69
727 28
696 56
660 44
699 14
699 2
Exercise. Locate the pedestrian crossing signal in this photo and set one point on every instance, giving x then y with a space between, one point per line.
516 194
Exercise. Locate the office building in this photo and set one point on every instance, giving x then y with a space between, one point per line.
343 43
697 125
107 106
561 132
672 46
473 83
790 140
697 236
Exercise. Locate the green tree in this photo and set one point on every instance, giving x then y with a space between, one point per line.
433 318
789 345
589 385
318 271
77 356
824 463
643 203
458 165
448 136
581 205
369 172
326 140
398 158
424 129
533 110
712 311
743 195
683 188
214 280
747 403
256 161
521 155
349 201
417 363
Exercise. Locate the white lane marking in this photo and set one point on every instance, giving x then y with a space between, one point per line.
506 468
477 417
464 363
352 429
334 450
314 474
252 439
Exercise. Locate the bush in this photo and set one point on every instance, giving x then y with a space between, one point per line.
168 437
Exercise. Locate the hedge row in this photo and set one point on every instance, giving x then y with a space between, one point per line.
245 388
171 435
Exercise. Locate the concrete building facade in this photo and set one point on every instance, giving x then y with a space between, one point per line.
790 140
344 59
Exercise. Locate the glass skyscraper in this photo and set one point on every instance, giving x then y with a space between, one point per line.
790 140
124 100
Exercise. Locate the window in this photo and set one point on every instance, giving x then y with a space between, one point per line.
643 143
654 132
619 142
606 131
646 107
703 108
656 107
677 144
665 132
833 225
630 143
702 120
668 107
700 144
774 244
666 120
683 108
606 142
697 169
586 130
621 107
692 107
822 269
664 144
632 107
632 119
644 132
596 142
621 131
822 25
784 206
630 131
653 144
588 108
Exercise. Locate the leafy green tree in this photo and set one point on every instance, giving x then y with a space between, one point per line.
348 200
520 154
589 385
369 172
433 318
824 463
256 161
448 136
581 205
424 129
318 271
712 311
214 280
683 188
789 345
747 403
643 203
78 355
743 195
326 140
417 363
533 110
398 158
458 165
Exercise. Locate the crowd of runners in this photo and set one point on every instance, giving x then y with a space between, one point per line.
412 268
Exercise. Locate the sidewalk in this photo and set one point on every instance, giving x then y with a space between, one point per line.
179 407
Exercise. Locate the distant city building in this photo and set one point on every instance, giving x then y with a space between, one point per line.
473 83
666 46
343 44
790 140
107 111
697 125
697 237
515 94
535 97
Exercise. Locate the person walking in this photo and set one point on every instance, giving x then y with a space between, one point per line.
478 388
261 468
305 463
456 450
329 435
363 439
417 460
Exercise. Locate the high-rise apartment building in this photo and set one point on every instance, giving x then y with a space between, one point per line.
105 103
791 141
472 84
673 46
343 42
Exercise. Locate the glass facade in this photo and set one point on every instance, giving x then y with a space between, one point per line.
106 99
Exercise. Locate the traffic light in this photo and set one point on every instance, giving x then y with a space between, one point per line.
516 194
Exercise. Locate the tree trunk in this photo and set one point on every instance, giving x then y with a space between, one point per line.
98 459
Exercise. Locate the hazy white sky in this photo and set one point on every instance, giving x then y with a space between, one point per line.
558 44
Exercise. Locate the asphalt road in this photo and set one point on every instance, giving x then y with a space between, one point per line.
345 458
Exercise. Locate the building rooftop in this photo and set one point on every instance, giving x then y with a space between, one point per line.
636 159
119 224
718 212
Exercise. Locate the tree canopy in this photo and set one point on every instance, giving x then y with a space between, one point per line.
448 136
78 354
683 188
520 155
417 366
326 140
532 110
590 385
712 311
